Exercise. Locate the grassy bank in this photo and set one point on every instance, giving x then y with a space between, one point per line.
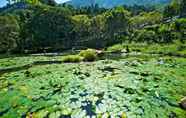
169 49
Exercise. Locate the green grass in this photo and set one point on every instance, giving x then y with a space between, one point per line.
116 48
176 48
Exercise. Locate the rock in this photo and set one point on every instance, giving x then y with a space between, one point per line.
183 103
99 52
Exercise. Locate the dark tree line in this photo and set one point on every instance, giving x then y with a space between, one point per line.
46 26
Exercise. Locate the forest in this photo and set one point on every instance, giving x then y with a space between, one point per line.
63 61
37 27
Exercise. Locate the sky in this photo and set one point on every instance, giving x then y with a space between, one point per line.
3 2
61 1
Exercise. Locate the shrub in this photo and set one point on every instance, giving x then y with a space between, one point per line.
115 48
145 36
88 55
72 58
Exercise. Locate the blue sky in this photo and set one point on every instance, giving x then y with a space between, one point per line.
3 2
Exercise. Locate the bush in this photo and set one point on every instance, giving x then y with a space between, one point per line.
115 48
88 55
145 36
72 58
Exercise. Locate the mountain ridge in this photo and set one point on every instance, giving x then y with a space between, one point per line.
114 3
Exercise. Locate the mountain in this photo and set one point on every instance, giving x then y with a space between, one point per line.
113 3
15 6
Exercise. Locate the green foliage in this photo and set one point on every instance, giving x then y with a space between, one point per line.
116 24
9 33
33 2
72 58
46 28
175 48
48 2
62 89
54 90
181 24
98 32
144 19
84 55
148 36
183 8
117 18
173 9
115 48
81 29
88 55
51 27
165 33
180 27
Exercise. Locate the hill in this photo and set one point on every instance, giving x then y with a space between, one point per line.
114 3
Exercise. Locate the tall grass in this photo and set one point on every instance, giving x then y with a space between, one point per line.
174 48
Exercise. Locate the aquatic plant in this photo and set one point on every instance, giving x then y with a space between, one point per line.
88 55
72 58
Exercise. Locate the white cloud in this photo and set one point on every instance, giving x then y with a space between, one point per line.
61 1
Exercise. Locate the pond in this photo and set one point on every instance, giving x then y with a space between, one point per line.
118 87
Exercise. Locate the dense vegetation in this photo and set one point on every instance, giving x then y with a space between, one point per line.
37 26
60 61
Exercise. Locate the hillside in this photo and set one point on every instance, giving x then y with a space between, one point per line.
113 3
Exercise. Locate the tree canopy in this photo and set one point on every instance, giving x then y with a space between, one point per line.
46 26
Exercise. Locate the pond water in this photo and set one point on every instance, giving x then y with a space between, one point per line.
115 86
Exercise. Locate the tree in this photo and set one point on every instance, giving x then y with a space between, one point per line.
81 29
144 19
98 31
145 35
180 26
165 34
35 2
24 18
51 27
9 33
48 2
173 9
183 8
117 21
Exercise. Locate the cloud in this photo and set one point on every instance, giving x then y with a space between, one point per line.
61 1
